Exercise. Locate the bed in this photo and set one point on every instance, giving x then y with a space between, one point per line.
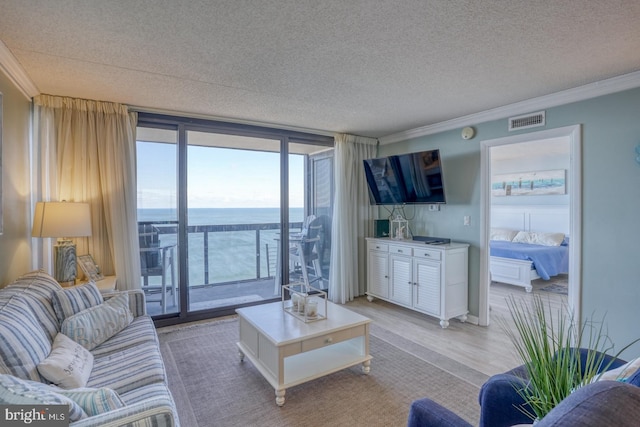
521 263
527 244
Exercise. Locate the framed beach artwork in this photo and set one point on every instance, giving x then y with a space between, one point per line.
537 183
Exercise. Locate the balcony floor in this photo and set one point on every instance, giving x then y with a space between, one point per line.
215 296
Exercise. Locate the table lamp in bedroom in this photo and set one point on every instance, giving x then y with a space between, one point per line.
62 220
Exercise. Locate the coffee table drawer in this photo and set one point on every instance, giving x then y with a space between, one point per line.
332 338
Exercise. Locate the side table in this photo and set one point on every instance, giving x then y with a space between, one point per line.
108 284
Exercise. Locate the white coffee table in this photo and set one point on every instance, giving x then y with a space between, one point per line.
288 351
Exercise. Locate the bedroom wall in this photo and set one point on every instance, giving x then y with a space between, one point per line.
15 241
611 202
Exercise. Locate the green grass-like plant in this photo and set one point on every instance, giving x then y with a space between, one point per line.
547 346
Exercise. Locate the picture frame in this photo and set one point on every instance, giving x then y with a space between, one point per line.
535 183
89 267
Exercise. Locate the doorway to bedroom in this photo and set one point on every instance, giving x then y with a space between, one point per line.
531 206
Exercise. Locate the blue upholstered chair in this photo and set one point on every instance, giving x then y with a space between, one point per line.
499 403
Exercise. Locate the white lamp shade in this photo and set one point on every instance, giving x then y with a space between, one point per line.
61 219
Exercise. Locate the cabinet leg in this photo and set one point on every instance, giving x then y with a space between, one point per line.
463 318
528 289
444 323
366 367
280 397
370 298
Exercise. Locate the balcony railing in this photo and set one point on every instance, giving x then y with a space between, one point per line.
200 251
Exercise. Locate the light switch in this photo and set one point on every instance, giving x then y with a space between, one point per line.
467 220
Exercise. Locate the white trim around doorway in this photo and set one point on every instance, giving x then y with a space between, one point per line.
574 133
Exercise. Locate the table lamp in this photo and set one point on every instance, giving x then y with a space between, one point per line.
62 220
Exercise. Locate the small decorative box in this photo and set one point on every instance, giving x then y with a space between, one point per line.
307 303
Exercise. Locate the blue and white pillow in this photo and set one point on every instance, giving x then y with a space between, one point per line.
95 325
14 391
94 401
68 302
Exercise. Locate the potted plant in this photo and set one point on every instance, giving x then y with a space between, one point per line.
547 341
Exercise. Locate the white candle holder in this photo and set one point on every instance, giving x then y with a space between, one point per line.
307 303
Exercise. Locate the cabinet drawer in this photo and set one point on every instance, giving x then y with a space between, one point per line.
427 254
400 250
332 338
380 247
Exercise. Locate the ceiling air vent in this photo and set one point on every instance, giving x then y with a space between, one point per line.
527 121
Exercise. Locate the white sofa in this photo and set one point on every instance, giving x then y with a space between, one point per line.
127 382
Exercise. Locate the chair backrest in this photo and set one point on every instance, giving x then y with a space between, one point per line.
312 237
305 225
148 239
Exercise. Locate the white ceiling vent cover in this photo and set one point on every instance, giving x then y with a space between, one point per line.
527 121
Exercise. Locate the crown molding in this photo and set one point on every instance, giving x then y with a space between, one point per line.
14 71
581 93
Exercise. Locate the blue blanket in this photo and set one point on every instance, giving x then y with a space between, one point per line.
547 260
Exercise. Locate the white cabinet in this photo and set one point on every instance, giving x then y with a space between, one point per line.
378 269
432 279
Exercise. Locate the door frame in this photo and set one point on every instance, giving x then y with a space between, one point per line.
574 134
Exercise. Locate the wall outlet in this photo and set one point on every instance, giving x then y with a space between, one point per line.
434 208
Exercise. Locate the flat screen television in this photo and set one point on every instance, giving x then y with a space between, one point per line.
406 178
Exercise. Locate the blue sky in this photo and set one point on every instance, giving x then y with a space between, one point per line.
217 177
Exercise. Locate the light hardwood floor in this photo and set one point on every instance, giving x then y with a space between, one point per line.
486 349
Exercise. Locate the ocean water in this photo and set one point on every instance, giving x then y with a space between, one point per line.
232 255
207 216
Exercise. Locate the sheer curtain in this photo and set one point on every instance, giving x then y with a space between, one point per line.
351 217
85 152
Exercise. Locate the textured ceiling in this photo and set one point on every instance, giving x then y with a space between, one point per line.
368 67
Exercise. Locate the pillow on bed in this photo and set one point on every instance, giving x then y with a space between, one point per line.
539 238
502 234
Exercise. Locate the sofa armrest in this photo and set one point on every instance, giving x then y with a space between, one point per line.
500 403
157 412
137 302
427 413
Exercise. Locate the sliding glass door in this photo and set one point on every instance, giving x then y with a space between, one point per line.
233 217
229 203
157 174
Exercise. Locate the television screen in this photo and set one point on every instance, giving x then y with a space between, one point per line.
383 179
422 177
406 178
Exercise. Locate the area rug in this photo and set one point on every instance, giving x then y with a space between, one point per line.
212 387
556 289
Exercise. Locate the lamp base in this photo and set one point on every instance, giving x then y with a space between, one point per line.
65 261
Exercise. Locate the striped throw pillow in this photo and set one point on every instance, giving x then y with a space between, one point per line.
23 341
95 325
70 301
94 401
14 391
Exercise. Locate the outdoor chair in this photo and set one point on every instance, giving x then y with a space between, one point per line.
304 255
155 259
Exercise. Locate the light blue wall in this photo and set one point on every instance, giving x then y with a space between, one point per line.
610 211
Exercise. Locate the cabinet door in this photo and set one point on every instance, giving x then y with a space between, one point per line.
378 274
426 275
401 279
